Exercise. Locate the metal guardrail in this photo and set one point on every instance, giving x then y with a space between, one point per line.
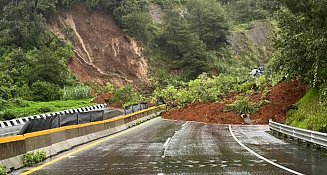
314 137
21 121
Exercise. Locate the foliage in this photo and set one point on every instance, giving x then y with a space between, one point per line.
3 170
44 91
301 41
76 92
261 83
242 105
323 94
29 53
244 11
311 113
203 89
28 108
31 158
126 96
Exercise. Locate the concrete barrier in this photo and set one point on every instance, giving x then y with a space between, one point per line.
54 141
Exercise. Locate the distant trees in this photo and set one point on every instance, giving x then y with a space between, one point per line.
244 11
192 35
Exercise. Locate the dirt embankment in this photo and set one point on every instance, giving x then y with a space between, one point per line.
102 52
280 97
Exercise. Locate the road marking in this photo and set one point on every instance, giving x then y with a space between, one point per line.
185 124
261 157
166 143
81 149
166 146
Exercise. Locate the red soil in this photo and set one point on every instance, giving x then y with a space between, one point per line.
207 113
281 97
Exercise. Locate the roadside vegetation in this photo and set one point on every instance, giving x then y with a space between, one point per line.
31 158
310 113
21 108
3 170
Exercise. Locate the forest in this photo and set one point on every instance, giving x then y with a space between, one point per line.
188 52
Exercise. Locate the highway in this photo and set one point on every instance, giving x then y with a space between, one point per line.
173 147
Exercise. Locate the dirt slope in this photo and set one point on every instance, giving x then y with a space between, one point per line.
103 53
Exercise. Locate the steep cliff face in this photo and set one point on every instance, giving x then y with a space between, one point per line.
103 53
256 41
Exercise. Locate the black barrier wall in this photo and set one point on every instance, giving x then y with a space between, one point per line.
136 107
61 120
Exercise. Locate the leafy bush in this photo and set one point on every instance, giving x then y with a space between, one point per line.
261 83
241 106
3 170
323 94
45 91
125 96
76 92
7 115
31 158
44 109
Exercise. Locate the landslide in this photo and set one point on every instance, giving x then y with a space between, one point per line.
102 52
281 98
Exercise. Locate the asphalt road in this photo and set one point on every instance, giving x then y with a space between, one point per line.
171 147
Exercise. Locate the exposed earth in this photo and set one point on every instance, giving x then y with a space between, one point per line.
102 52
281 98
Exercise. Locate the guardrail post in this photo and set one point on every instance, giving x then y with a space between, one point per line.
59 120
102 115
77 119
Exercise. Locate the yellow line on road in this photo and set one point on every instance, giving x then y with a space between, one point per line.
79 150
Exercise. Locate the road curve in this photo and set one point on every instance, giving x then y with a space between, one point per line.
172 147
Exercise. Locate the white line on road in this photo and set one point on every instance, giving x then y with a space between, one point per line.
166 143
166 147
184 124
261 157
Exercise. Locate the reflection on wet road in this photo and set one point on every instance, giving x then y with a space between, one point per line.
193 148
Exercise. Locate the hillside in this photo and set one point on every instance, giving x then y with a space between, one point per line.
184 52
102 51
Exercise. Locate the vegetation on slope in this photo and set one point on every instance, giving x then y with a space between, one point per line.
311 113
19 108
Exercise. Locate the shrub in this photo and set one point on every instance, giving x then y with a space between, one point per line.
323 94
241 106
31 158
44 109
7 115
45 91
3 170
28 159
261 83
244 106
76 92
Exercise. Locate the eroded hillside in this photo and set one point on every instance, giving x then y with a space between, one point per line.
102 52
256 41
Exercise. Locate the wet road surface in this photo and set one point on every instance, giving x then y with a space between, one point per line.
172 147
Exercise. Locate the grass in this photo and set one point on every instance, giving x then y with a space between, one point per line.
311 114
34 108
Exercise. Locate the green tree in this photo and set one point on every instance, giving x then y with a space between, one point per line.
44 91
208 20
301 41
